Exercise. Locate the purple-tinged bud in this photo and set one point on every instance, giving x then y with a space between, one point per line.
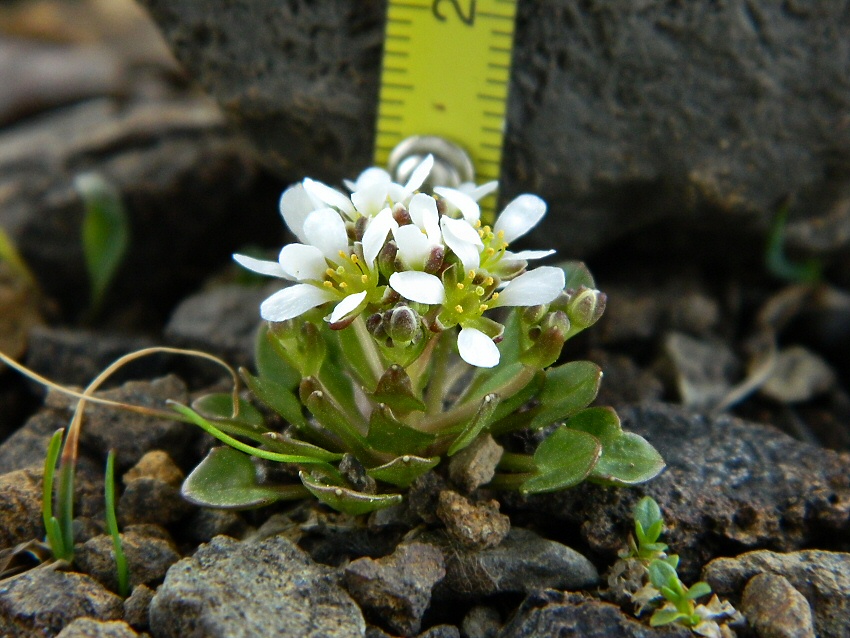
558 320
386 259
532 315
401 215
360 227
403 325
546 349
435 260
586 307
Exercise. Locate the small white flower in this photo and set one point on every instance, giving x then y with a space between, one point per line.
467 206
463 240
531 288
519 217
418 286
416 241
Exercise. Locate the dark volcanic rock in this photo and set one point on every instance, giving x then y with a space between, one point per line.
20 507
90 628
397 588
28 445
775 609
552 613
729 486
41 602
241 590
620 113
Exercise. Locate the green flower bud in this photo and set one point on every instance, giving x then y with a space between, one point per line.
532 315
557 319
586 307
403 324
546 349
386 259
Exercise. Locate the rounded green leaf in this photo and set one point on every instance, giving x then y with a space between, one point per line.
403 470
564 459
628 460
567 389
346 500
603 423
227 479
219 405
388 434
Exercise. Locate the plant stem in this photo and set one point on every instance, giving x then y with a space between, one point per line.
509 481
370 351
437 388
514 462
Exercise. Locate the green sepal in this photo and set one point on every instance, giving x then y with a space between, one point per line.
271 361
227 479
346 500
567 389
276 396
403 470
396 390
285 445
483 418
388 434
564 459
576 275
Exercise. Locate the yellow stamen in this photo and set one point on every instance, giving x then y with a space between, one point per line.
479 291
340 270
460 286
477 223
343 285
458 309
354 259
342 254
330 272
495 296
481 233
328 284
471 274
488 281
490 252
364 278
483 307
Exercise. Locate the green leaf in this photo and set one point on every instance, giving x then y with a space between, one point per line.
576 275
648 514
61 549
106 231
396 390
403 470
272 366
351 351
277 397
567 389
627 461
482 418
661 574
698 590
564 459
346 500
219 406
285 445
510 346
603 423
329 414
665 617
123 571
388 434
228 479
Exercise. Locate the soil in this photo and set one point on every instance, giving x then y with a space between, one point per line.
736 374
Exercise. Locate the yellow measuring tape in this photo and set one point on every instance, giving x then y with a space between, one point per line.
445 72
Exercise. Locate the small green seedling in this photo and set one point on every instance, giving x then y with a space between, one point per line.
121 568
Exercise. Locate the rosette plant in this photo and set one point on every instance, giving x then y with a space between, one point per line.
407 330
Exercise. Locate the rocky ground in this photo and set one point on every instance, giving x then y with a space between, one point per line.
735 373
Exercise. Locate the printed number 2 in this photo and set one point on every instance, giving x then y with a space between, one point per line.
467 18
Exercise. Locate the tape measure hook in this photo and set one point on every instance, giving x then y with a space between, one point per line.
452 164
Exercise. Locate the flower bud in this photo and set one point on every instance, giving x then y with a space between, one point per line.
586 307
401 215
558 320
435 260
312 348
403 324
546 349
532 315
386 259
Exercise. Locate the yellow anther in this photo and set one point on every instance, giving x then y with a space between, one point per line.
340 270
481 233
471 274
330 272
343 254
460 286
488 281
458 308
490 234
477 223
354 259
495 296
343 285
483 307
328 284
501 234
364 279
479 291
490 251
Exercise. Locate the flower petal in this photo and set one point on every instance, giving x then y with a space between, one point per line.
413 246
418 286
520 216
325 230
423 212
346 306
369 177
329 196
468 207
537 286
525 255
463 240
270 268
419 175
371 199
295 205
300 261
476 348
294 301
376 234
478 192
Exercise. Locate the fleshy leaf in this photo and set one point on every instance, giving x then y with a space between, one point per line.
665 617
346 500
577 275
227 478
661 574
271 364
603 423
219 406
568 389
106 231
403 470
698 590
564 459
627 461
396 390
277 397
648 514
481 420
388 434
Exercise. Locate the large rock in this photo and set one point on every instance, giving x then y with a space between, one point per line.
621 113
242 590
729 485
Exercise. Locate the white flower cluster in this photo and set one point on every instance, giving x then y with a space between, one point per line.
387 243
